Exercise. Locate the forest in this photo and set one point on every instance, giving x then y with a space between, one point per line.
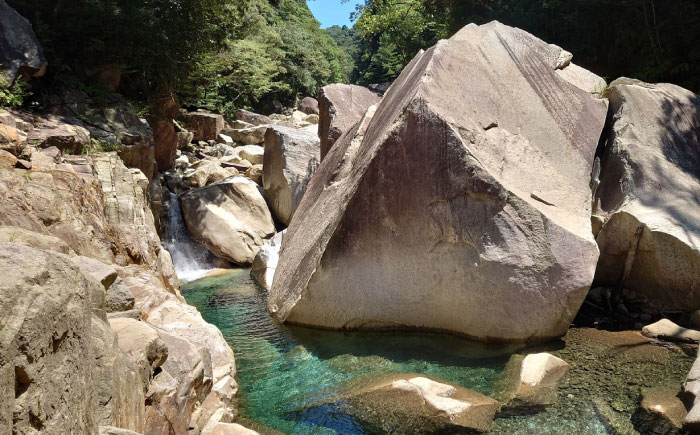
266 54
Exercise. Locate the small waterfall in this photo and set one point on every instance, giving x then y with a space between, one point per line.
192 260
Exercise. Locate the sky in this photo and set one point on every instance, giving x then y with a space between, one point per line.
330 12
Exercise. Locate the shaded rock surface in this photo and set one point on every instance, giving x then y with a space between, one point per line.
309 105
434 218
20 51
341 106
233 207
649 194
290 160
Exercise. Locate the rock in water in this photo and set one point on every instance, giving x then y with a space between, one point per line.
464 206
531 382
265 263
291 158
650 194
20 51
416 404
230 218
340 107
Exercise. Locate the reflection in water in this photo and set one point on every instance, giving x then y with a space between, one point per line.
285 372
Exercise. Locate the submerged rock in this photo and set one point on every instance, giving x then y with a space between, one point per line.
341 106
650 242
532 382
291 159
234 208
660 411
434 217
414 404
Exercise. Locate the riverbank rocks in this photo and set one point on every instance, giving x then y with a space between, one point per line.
66 135
20 51
233 207
247 136
265 262
531 382
252 153
308 105
650 242
251 118
415 404
434 217
204 125
340 107
665 329
290 160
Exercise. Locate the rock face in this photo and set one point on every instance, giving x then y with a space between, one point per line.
291 159
234 208
432 215
415 404
265 262
309 105
648 193
51 340
204 125
340 107
20 51
60 133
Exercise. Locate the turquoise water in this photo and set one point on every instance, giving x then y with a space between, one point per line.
285 372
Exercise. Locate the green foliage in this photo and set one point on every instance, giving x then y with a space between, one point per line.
278 53
647 39
15 95
100 146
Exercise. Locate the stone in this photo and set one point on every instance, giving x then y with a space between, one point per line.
233 207
204 125
650 242
142 344
298 119
228 429
341 106
661 410
130 314
252 153
665 329
531 381
265 262
110 430
312 119
204 173
247 136
691 395
32 239
225 139
290 160
409 403
65 134
429 215
20 50
309 106
251 118
7 160
118 298
23 164
99 271
120 395
255 173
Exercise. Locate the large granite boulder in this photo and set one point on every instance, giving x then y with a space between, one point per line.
230 218
464 206
290 160
20 51
340 107
648 194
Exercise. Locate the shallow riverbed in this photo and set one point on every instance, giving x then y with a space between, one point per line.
283 370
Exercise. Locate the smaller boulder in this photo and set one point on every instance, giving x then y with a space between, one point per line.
251 118
255 173
531 382
265 263
65 134
25 237
204 125
660 410
253 153
119 297
309 106
20 50
206 172
665 329
99 271
7 160
247 136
